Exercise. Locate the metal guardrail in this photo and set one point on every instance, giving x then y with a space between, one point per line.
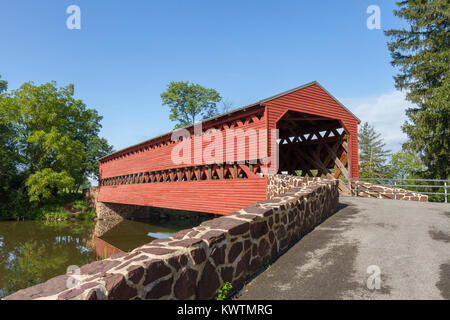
398 183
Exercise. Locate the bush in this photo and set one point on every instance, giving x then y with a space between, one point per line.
16 206
54 212
86 216
80 205
42 185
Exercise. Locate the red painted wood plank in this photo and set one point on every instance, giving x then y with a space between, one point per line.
214 196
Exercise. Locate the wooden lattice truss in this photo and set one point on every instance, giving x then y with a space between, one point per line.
313 146
244 170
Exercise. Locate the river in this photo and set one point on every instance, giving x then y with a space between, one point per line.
32 252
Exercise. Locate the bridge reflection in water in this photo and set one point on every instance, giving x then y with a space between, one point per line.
111 237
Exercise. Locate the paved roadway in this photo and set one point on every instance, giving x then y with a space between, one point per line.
408 241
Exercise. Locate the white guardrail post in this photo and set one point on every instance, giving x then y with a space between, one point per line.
445 191
395 188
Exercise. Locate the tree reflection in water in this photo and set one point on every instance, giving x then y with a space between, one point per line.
32 252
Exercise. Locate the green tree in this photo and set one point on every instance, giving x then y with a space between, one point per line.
95 148
46 184
189 103
405 164
3 85
372 153
11 195
421 52
56 138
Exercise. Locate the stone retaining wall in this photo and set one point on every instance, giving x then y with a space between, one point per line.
113 211
195 263
369 190
279 184
90 195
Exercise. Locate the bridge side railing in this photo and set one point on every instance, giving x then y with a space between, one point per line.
248 169
402 186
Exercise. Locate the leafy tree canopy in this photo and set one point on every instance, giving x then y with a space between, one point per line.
9 177
405 164
372 153
55 138
3 85
421 53
189 102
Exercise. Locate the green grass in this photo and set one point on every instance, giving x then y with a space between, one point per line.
222 293
18 207
86 216
87 213
53 212
81 205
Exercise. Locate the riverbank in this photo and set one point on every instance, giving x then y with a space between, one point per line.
65 209
33 251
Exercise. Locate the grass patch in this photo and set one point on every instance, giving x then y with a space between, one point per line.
81 205
222 293
70 208
86 216
52 212
86 212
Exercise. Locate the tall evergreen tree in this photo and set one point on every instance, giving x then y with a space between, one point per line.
421 52
372 152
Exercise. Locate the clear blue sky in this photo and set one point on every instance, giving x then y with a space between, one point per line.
128 51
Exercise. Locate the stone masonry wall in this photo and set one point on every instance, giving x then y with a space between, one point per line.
369 190
90 195
195 263
111 211
279 184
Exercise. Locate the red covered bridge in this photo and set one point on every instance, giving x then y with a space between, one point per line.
316 136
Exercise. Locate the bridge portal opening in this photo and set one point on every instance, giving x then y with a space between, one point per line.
313 146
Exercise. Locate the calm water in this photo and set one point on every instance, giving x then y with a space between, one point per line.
32 252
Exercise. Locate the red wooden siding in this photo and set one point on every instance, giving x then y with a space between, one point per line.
144 158
214 196
314 100
217 196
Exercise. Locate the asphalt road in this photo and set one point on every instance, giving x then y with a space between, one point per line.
407 242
